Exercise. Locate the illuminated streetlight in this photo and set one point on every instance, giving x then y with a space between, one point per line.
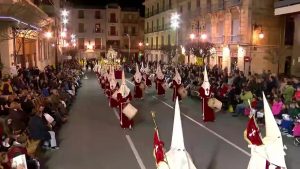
147 44
175 17
203 36
48 34
73 36
63 34
64 13
192 36
140 44
261 35
65 21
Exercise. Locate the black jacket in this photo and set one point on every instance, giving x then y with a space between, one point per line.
38 129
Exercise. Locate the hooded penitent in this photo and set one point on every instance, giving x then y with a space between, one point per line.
205 85
159 73
142 68
124 90
273 140
137 76
177 156
147 69
112 82
177 77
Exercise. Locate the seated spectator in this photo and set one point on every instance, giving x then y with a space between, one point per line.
277 107
245 96
288 93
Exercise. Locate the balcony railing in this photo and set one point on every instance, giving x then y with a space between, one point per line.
231 3
218 39
112 33
235 38
113 21
154 12
99 31
283 3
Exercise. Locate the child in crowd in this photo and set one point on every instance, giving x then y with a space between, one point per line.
277 106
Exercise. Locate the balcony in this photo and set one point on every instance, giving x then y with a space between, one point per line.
112 33
98 31
234 39
218 40
286 7
232 3
112 21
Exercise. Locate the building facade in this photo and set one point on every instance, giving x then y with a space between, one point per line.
288 10
99 28
244 32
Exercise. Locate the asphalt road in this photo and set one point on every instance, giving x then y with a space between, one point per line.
93 139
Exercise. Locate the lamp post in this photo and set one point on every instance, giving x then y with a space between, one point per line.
260 35
128 45
175 21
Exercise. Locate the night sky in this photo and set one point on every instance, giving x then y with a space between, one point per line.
123 3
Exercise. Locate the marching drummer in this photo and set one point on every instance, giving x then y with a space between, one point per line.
139 84
176 84
123 98
160 81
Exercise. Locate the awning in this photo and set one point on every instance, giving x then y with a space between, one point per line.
24 12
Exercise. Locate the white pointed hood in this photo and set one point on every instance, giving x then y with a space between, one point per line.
112 82
147 69
137 76
124 90
142 68
177 156
159 73
205 85
273 140
177 77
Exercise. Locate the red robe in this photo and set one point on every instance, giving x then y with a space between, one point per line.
176 86
159 86
112 102
146 79
122 102
138 92
208 113
102 82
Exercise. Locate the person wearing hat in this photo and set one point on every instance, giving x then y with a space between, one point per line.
176 84
113 87
124 97
146 75
138 84
205 94
160 81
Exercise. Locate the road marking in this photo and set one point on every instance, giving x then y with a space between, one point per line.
207 129
116 113
135 152
130 82
132 146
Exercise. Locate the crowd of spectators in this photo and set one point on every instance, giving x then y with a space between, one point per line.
242 94
34 104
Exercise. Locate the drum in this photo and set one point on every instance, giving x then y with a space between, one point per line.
215 104
114 95
142 86
182 92
165 86
129 111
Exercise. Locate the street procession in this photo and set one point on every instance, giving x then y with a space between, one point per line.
266 152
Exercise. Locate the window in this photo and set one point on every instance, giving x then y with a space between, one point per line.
81 43
198 4
170 4
181 9
98 43
208 4
169 40
148 11
133 32
289 31
113 18
113 31
80 27
147 30
152 10
235 30
163 23
80 14
97 28
157 7
97 15
151 42
189 6
152 26
162 40
156 42
163 5
157 24
220 28
125 29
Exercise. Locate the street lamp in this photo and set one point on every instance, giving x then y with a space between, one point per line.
203 36
64 13
48 35
63 34
192 36
175 20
